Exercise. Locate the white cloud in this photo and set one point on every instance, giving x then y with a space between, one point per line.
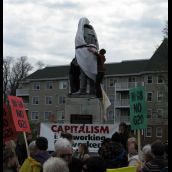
45 29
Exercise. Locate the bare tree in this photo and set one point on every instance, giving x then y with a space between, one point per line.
165 30
7 62
40 64
14 72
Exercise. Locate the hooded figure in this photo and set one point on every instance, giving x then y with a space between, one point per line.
86 37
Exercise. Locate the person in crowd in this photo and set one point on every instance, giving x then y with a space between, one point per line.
146 153
100 69
68 136
124 134
114 154
94 164
42 145
10 163
133 157
158 162
55 164
131 140
31 164
21 148
83 152
104 144
63 150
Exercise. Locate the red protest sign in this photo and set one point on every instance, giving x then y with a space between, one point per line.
9 132
19 116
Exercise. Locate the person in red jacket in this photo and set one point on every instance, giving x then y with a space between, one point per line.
100 69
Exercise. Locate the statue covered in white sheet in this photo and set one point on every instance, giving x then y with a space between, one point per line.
87 61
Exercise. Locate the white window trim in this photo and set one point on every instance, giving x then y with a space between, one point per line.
158 96
62 112
62 81
47 87
113 82
50 112
32 118
160 82
51 100
162 112
59 99
146 132
157 132
34 84
109 115
152 79
33 98
147 96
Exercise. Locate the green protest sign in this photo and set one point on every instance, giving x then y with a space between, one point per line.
138 110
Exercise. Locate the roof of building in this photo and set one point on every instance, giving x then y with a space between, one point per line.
158 62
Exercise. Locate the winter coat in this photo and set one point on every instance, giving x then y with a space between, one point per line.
31 165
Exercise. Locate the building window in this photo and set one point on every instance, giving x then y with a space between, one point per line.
159 96
158 132
48 100
148 132
110 115
34 115
149 79
60 115
111 98
35 100
160 79
47 115
62 84
131 79
149 97
159 113
149 114
36 86
112 82
49 85
61 99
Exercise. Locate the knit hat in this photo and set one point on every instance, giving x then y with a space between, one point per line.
42 143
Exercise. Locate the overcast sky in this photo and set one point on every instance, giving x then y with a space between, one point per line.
45 29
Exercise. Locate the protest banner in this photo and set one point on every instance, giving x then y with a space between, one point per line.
138 111
91 134
9 131
19 116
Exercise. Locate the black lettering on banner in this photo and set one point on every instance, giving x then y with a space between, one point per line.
139 95
22 124
14 103
137 107
20 104
133 96
138 119
19 113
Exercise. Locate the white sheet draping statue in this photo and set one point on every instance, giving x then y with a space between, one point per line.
87 61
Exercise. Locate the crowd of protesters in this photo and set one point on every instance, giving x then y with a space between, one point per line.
116 152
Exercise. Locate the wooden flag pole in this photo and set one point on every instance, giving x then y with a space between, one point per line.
27 148
139 143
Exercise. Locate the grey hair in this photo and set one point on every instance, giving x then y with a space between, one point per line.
62 143
55 164
146 149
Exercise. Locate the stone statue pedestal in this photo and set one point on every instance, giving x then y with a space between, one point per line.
83 109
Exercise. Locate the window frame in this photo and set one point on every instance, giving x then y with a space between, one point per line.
48 100
35 86
151 96
159 136
35 100
146 132
32 115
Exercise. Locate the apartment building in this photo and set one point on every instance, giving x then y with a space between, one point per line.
45 91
